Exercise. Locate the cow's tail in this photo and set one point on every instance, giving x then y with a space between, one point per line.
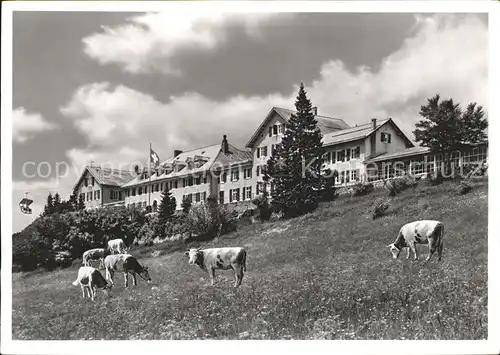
75 283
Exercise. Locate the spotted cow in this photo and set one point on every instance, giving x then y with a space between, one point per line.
220 258
419 232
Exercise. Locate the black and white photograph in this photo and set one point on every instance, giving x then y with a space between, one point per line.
249 171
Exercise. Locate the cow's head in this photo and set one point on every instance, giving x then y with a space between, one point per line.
195 256
145 274
394 250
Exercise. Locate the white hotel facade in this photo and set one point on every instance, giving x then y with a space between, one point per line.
361 153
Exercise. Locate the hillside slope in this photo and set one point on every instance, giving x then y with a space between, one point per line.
326 275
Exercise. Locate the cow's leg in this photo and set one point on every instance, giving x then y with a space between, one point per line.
134 279
432 248
91 291
83 291
414 250
239 275
212 276
440 250
109 276
125 275
234 274
408 250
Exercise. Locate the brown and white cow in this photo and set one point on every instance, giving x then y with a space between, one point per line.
95 254
419 232
117 246
220 258
91 279
127 264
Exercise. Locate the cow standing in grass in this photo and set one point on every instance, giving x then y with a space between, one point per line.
91 279
419 232
95 254
117 246
125 263
220 258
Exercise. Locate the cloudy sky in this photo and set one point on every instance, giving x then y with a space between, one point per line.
102 86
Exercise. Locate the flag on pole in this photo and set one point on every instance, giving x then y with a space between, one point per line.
154 158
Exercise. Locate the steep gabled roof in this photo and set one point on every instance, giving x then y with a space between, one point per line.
213 153
107 176
325 124
235 156
361 132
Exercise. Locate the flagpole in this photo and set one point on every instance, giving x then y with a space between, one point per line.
149 173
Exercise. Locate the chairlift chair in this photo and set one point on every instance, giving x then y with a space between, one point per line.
24 205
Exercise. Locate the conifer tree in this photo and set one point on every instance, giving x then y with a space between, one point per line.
167 207
49 205
294 169
446 128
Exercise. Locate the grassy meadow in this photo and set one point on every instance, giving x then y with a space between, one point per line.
325 275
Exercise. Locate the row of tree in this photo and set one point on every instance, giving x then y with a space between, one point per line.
54 204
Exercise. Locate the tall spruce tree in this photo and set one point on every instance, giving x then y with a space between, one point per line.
446 128
294 169
167 207
186 205
49 205
57 203
73 201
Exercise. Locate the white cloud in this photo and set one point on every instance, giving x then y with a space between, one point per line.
148 42
25 125
445 55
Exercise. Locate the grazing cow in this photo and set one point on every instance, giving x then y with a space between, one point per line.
95 254
220 258
91 279
125 263
419 232
117 246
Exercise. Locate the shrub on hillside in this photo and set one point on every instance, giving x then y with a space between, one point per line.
362 189
264 207
147 234
435 178
207 221
400 184
472 170
464 187
186 205
380 209
74 232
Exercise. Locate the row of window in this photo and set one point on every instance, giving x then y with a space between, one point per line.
235 175
198 197
96 195
427 164
343 155
347 176
236 195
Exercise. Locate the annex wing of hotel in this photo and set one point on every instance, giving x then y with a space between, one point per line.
360 153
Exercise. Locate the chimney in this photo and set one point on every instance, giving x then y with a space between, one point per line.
374 123
225 144
177 152
315 110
